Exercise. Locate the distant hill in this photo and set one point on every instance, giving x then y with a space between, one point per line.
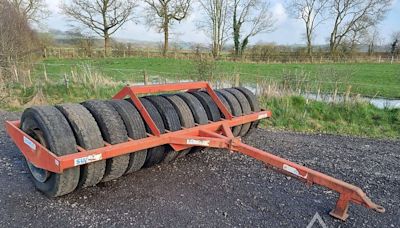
65 38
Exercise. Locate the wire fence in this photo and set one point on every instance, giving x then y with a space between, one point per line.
254 56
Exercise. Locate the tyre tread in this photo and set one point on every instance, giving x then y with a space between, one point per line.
113 131
88 136
60 140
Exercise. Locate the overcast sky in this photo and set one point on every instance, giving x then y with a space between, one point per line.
288 31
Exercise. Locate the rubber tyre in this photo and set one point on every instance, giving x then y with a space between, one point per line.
199 114
156 154
88 136
244 104
167 112
226 104
113 131
235 108
254 104
59 139
136 130
171 122
184 113
209 105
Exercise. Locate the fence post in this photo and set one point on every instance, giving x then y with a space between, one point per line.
237 80
28 72
347 94
66 81
15 73
145 77
335 93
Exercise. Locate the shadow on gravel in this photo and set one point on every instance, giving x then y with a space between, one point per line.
215 187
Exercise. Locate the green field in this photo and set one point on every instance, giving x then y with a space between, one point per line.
367 79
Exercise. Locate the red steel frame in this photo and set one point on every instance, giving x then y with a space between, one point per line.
214 134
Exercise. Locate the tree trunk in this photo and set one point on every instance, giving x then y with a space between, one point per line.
215 50
106 44
309 41
236 40
332 46
243 45
309 51
166 37
333 39
236 31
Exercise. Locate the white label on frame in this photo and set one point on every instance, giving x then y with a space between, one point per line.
293 171
29 143
198 142
262 116
88 159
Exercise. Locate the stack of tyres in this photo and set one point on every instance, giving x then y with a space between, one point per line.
91 124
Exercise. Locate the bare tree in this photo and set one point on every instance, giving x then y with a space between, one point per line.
104 17
166 11
353 39
312 13
215 23
33 10
250 17
45 40
17 40
354 16
372 38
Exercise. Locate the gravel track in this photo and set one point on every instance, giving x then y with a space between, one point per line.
215 188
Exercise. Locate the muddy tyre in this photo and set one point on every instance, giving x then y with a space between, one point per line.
113 131
254 104
136 130
185 116
48 125
225 103
198 112
156 154
235 108
208 105
171 121
246 109
88 136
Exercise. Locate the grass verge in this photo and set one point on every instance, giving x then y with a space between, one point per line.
360 119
